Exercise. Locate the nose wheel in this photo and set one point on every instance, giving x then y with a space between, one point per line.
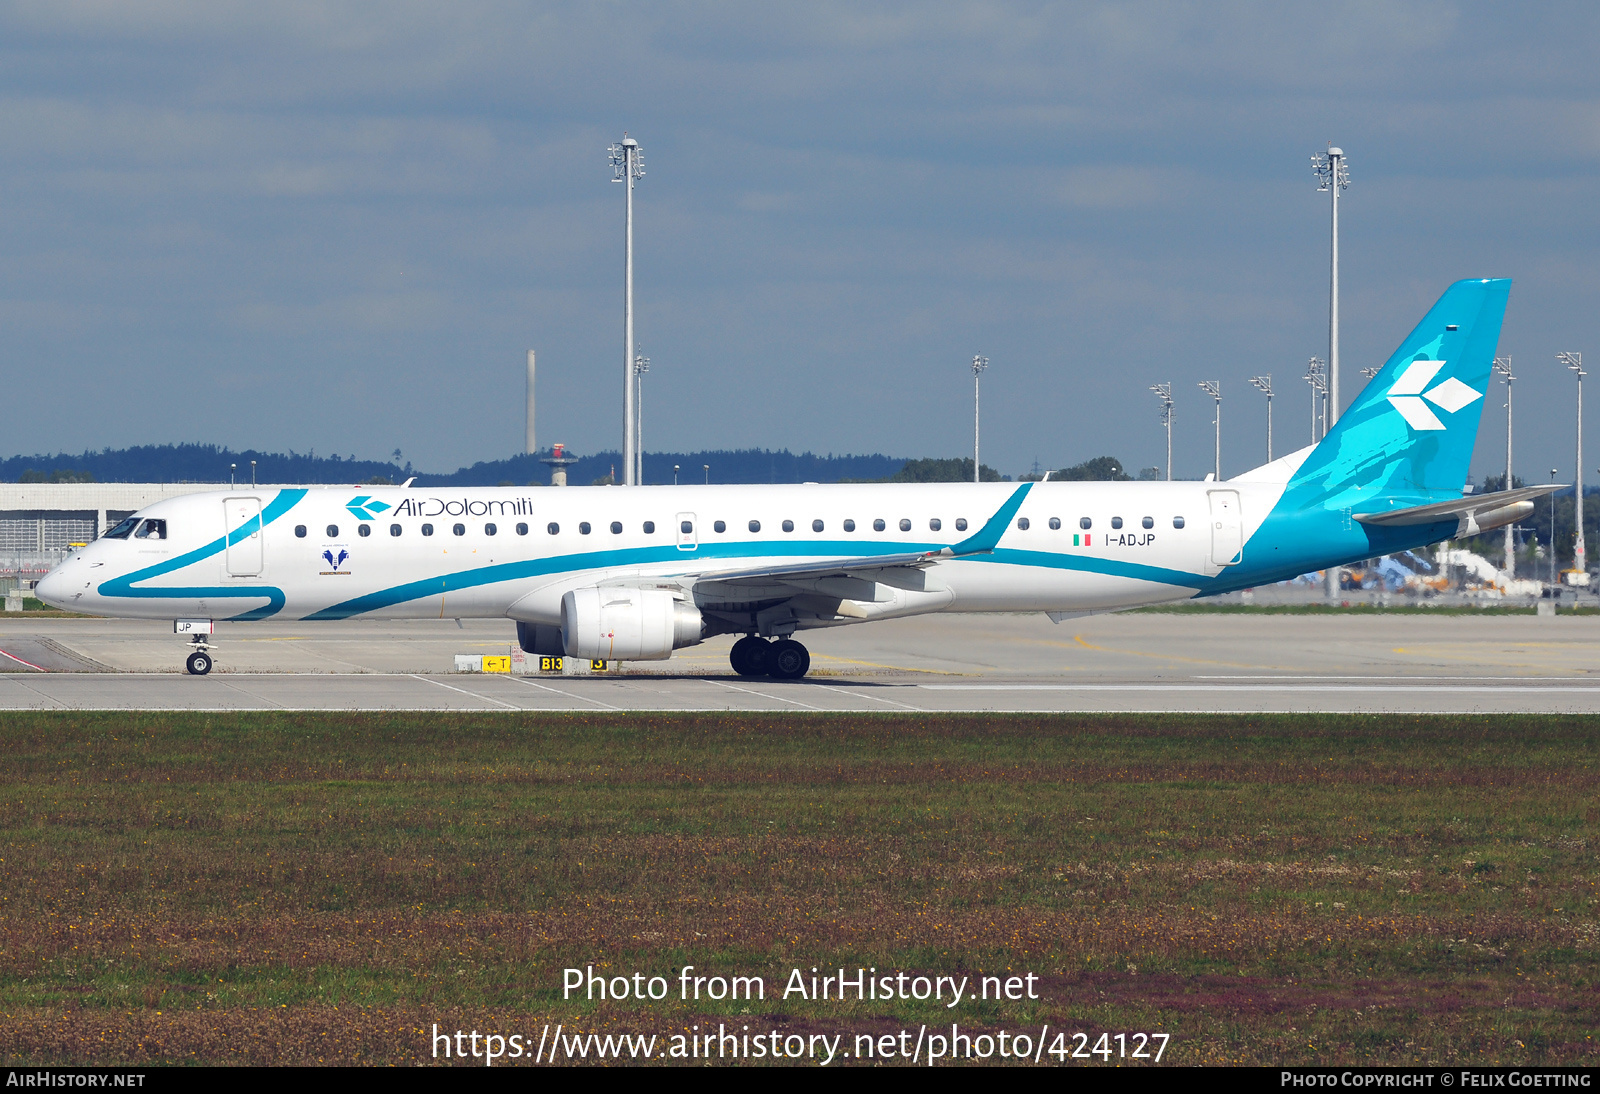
200 658
784 659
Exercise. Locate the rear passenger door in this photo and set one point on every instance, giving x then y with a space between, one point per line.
1227 529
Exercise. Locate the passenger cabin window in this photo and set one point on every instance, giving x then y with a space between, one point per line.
616 527
363 530
961 524
394 529
878 525
1177 522
788 526
1055 524
720 526
125 528
553 528
583 528
1116 522
755 526
849 526
934 525
333 531
152 529
522 529
816 526
686 527
299 532
1148 522
459 529
427 529
905 525
649 527
1085 523
490 529
1022 524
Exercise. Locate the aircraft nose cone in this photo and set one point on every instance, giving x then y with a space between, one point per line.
55 586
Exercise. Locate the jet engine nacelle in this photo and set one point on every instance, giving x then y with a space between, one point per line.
623 624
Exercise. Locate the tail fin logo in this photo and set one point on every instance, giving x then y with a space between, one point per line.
1408 393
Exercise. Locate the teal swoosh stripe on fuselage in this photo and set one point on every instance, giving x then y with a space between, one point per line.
123 586
596 560
647 556
1110 567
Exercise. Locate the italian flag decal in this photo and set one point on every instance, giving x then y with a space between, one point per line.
1085 538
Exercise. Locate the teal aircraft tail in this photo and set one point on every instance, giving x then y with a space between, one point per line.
1407 438
1403 444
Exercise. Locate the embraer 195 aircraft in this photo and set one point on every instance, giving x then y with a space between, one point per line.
632 574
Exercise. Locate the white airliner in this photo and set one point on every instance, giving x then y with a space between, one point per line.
633 573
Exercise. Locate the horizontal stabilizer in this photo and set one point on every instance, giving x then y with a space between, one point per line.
1473 514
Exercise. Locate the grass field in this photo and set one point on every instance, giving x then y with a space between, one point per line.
1265 889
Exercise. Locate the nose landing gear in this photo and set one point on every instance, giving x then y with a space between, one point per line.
200 660
784 659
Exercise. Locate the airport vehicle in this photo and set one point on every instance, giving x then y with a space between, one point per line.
633 573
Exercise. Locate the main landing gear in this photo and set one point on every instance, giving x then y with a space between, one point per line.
784 659
200 659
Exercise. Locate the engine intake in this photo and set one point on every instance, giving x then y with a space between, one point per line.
623 624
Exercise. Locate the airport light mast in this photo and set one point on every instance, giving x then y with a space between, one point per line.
641 365
979 363
1502 365
627 167
1213 388
1164 393
1319 387
1265 384
1553 473
1574 362
1334 175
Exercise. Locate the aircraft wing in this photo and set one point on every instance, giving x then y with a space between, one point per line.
827 589
1473 513
835 567
776 596
979 543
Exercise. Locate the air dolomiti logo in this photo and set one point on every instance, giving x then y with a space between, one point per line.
366 507
1410 391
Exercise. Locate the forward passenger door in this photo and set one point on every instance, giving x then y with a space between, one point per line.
242 525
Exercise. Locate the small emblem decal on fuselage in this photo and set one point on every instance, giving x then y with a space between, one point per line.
335 558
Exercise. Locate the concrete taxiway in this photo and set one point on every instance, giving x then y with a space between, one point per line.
1404 663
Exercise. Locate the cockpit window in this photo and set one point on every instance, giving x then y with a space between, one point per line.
123 530
152 529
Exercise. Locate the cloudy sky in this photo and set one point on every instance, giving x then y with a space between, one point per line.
340 226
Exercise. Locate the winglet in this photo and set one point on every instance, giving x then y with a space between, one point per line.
984 540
